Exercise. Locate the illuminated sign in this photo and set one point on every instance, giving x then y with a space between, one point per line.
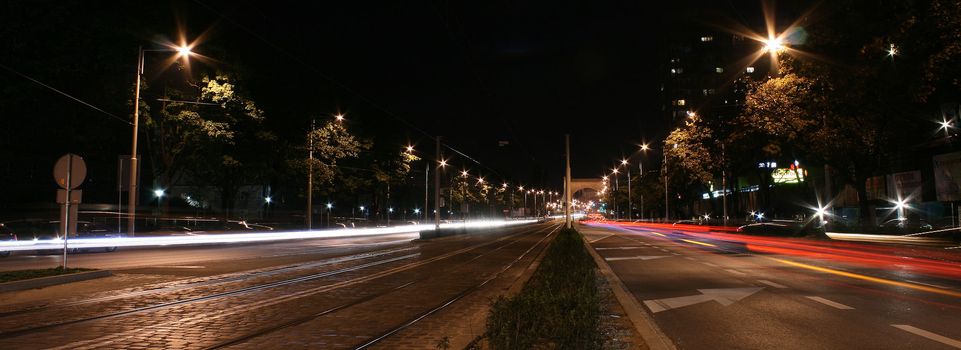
792 175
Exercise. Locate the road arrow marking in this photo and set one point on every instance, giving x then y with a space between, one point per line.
650 257
724 296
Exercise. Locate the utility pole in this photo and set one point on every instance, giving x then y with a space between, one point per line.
310 177
437 188
667 213
426 187
567 181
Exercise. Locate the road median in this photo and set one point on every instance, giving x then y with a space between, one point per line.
32 279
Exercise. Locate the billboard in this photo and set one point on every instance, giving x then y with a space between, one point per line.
906 185
947 176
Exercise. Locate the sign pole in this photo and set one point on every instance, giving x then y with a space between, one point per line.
66 217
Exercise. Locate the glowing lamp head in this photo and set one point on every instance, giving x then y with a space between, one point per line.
945 124
410 149
158 193
443 163
339 117
329 205
183 51
645 147
774 45
463 173
268 200
623 161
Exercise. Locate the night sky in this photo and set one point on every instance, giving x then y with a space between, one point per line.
476 73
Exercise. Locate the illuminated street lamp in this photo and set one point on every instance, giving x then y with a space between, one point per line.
614 193
182 51
629 203
329 206
774 45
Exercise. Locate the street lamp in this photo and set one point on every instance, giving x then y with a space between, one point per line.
329 206
159 193
629 203
616 213
182 51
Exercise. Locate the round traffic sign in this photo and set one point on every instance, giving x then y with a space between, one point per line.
72 164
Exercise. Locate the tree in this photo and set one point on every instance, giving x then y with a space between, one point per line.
203 132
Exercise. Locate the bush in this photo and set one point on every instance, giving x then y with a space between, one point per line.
558 308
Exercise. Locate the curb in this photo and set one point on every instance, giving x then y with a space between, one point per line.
643 323
41 282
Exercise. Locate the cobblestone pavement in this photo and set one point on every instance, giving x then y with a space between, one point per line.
339 302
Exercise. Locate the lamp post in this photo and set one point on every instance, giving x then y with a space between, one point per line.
329 206
640 168
525 199
182 51
629 203
616 212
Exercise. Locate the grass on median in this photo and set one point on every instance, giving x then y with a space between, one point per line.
10 276
558 308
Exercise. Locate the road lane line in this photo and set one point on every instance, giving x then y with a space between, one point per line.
736 272
616 248
933 336
656 233
869 278
709 264
690 258
835 305
701 243
773 284
635 258
588 242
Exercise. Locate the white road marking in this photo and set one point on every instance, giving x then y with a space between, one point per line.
725 297
773 284
673 253
635 258
588 242
835 305
936 337
709 264
611 248
690 258
736 272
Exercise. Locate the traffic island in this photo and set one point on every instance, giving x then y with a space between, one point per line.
565 304
11 281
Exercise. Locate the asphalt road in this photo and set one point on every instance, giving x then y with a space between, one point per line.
706 293
387 292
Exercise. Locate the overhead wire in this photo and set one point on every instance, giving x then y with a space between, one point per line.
38 82
340 84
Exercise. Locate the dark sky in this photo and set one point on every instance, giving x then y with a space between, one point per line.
521 72
477 73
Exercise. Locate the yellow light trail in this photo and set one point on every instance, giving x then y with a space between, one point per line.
870 279
701 243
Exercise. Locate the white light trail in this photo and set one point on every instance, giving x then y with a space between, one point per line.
86 243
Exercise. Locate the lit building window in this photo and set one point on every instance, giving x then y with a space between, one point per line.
681 102
673 71
719 70
707 38
750 69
